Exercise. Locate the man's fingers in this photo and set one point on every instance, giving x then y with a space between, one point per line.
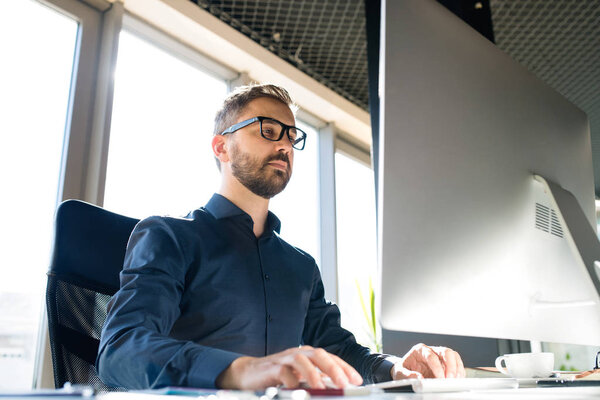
312 364
303 365
339 371
288 377
353 376
433 363
326 363
448 358
457 365
460 367
452 362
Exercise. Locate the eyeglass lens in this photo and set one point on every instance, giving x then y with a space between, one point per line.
272 130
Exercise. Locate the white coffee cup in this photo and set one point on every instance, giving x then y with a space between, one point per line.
526 365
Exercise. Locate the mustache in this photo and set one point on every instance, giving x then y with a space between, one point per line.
279 157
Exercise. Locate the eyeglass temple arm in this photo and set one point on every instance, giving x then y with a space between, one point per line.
239 125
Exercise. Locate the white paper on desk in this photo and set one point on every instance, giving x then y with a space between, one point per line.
463 384
448 385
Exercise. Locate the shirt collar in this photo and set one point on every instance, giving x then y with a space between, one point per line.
221 207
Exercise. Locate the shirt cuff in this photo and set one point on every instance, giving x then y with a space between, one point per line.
383 372
208 365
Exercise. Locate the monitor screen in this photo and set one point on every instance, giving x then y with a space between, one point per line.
471 240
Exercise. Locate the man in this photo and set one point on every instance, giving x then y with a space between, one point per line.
218 299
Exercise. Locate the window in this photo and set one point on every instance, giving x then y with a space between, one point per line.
356 245
298 205
160 159
572 357
38 51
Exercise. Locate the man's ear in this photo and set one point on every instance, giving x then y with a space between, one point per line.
219 148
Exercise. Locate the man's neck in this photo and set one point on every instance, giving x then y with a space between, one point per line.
255 206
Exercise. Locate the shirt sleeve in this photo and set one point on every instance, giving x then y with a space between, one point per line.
135 350
322 329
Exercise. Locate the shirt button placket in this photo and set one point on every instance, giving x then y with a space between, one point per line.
266 279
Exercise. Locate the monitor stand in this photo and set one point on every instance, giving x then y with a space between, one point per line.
580 235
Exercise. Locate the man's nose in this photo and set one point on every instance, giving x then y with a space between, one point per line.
284 144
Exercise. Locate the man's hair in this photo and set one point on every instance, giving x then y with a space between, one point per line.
237 100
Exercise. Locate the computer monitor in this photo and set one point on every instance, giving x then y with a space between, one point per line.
486 200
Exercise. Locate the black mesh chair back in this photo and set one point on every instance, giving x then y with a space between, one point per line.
89 247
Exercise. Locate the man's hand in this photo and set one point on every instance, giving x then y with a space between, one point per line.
423 361
290 367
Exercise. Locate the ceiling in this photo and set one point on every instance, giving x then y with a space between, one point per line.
558 40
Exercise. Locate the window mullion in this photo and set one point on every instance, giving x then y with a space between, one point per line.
327 217
102 111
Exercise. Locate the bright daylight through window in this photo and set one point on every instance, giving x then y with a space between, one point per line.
160 160
38 45
356 249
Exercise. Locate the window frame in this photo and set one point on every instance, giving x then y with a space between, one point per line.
81 99
71 183
353 150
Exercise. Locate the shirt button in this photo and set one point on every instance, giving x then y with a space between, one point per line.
267 277
270 318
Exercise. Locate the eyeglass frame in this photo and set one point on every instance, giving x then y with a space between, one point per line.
284 129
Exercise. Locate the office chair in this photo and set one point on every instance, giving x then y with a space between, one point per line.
88 252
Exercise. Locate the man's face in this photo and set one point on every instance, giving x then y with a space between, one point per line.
262 166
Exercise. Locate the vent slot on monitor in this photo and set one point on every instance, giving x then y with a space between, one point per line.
546 220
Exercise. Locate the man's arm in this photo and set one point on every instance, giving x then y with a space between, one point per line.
323 329
135 349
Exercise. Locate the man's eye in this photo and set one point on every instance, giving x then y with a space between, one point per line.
269 131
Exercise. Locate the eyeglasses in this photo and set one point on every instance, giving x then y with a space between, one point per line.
272 130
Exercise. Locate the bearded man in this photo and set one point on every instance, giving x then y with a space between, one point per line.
219 299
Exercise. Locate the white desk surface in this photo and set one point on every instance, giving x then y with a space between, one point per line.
566 393
571 393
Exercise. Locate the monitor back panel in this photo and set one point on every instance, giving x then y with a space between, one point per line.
464 128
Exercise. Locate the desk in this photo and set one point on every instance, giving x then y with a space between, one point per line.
579 393
573 393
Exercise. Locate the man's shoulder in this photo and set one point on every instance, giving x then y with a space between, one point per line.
176 224
183 232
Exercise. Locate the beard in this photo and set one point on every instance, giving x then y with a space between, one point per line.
256 175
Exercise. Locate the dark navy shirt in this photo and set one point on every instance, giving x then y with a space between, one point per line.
198 292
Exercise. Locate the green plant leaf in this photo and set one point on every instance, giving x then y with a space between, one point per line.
373 317
370 316
362 303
